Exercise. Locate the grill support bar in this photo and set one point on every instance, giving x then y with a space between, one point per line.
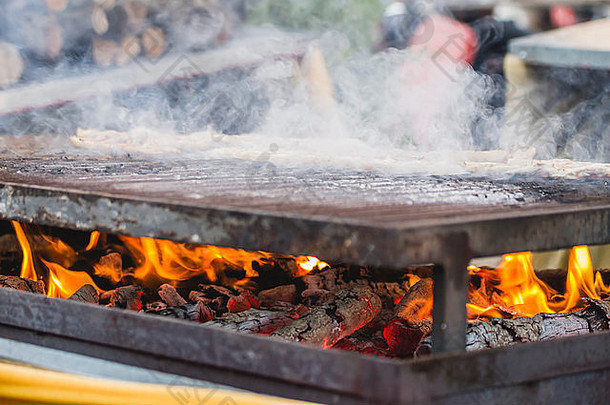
450 295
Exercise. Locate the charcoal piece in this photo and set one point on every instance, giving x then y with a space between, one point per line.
124 297
238 303
170 296
22 284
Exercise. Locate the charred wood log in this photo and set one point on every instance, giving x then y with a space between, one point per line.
369 339
197 312
416 304
105 51
33 29
86 293
254 321
413 320
326 325
22 284
503 332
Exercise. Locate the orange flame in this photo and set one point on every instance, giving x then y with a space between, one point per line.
156 261
63 282
27 264
307 264
519 290
93 239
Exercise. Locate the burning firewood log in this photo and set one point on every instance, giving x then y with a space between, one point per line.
412 319
254 321
326 325
86 293
22 284
503 332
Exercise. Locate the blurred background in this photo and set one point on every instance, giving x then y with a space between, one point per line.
241 66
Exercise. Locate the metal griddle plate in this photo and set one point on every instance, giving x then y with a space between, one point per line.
356 217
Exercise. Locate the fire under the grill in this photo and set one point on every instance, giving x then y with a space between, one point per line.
343 276
301 298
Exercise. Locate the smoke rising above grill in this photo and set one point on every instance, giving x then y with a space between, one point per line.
331 102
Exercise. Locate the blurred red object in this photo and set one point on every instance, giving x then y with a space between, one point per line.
438 33
563 16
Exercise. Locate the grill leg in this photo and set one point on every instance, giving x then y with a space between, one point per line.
450 297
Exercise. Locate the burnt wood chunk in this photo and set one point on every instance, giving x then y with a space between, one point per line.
124 297
351 310
238 303
254 321
22 284
170 296
285 293
404 337
87 293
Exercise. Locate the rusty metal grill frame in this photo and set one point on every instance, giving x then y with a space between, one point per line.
531 373
68 195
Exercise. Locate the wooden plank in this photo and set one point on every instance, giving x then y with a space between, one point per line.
584 45
175 66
